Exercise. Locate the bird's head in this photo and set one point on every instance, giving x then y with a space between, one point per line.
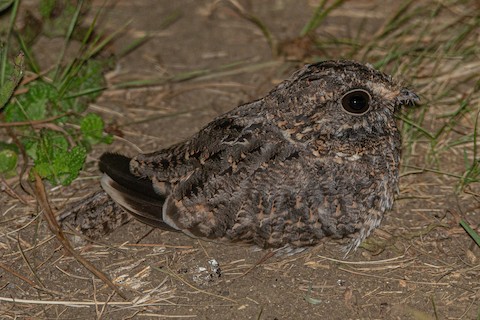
338 98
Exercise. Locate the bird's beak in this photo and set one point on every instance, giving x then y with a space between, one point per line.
407 97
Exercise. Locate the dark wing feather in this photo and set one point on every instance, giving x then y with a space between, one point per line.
136 195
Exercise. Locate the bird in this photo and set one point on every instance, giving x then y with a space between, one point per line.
316 158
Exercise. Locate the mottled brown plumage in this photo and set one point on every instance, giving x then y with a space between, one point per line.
317 157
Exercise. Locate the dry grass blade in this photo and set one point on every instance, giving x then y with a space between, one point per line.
168 316
32 122
16 274
385 261
5 186
57 231
64 303
20 249
267 256
394 279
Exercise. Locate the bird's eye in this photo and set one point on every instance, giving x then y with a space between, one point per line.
356 101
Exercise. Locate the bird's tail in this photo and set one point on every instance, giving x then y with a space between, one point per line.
94 216
134 194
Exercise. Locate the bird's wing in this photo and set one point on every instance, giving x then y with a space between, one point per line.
211 149
197 186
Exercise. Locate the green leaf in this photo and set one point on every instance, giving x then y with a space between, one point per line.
69 167
8 146
30 145
475 236
8 161
33 104
13 80
55 162
92 129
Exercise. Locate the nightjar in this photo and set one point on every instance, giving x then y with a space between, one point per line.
318 157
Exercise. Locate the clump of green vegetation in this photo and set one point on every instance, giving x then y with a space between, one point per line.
46 116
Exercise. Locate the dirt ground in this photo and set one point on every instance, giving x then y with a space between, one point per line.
420 264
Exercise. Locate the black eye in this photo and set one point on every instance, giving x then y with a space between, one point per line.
356 101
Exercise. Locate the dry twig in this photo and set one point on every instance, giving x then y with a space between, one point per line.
57 231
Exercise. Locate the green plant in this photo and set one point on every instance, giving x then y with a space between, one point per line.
47 118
